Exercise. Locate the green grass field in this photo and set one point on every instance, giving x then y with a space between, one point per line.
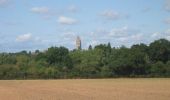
86 89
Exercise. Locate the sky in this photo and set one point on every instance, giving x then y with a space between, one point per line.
39 24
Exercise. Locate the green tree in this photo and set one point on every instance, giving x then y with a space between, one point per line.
158 69
167 68
59 56
159 50
90 47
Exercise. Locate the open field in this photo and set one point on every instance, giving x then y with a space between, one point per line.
82 89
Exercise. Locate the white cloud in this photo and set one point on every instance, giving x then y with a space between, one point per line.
99 32
168 38
136 37
117 36
156 35
131 38
24 37
119 32
111 15
122 32
92 43
40 10
66 20
167 5
122 39
167 32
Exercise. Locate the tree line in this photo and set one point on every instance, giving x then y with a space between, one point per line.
100 61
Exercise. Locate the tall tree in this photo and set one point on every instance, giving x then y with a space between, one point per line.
159 50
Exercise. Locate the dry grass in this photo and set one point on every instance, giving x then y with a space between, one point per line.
81 89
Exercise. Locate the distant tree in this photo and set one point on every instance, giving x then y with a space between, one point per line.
99 62
41 56
140 59
159 50
167 67
76 57
59 56
22 52
120 62
37 51
105 52
140 47
106 71
109 47
22 61
7 58
90 47
158 69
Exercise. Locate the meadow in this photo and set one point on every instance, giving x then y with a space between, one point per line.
86 89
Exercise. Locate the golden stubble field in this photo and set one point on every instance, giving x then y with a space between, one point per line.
86 89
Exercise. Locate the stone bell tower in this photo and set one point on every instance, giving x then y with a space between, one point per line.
78 43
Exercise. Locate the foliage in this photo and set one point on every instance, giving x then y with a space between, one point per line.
101 61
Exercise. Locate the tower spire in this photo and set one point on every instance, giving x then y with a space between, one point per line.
78 43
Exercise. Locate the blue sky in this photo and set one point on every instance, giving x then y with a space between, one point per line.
39 24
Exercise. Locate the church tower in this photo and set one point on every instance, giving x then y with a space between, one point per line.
78 43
